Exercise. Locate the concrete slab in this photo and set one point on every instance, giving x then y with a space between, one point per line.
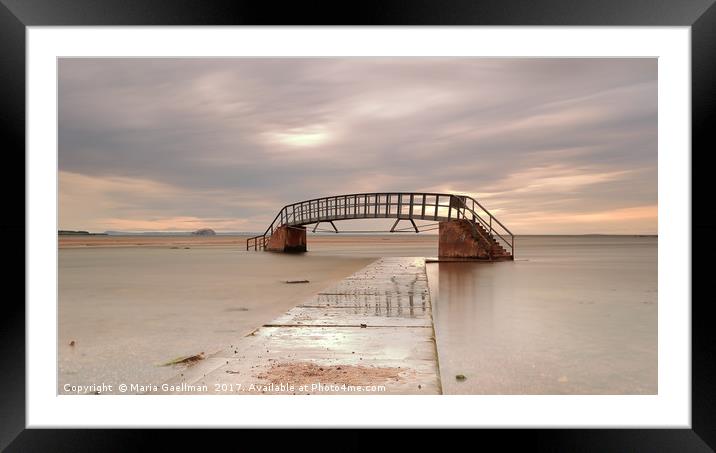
394 285
375 301
376 337
355 317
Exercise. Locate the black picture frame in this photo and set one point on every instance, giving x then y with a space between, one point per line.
700 15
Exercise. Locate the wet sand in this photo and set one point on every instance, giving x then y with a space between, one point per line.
371 333
573 314
84 241
359 244
130 309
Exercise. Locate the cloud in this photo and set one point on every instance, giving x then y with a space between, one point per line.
210 140
615 221
134 204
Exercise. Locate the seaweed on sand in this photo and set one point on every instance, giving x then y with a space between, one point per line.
185 360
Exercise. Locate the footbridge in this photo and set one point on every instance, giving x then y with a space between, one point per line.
466 228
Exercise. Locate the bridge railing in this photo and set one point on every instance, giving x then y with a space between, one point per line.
488 221
398 205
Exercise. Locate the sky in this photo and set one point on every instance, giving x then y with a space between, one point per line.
549 146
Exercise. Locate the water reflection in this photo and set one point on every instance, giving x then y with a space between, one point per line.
465 296
573 315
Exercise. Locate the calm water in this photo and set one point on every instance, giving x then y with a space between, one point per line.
570 315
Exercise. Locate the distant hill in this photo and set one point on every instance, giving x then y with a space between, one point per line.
78 233
204 232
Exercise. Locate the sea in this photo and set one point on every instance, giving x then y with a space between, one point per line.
570 315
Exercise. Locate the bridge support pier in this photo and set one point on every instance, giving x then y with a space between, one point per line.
455 240
288 239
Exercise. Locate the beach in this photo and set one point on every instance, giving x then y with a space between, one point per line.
572 314
129 308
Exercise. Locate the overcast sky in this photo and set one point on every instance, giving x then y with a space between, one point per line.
549 145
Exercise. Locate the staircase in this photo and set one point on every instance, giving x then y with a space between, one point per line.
467 239
497 251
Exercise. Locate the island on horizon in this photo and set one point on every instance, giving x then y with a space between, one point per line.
204 232
78 233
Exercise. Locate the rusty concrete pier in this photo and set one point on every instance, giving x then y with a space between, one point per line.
288 239
371 333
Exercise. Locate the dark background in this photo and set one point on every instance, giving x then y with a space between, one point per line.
15 15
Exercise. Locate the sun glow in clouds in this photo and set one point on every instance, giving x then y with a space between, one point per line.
301 137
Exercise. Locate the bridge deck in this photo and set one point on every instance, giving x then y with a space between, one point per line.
373 328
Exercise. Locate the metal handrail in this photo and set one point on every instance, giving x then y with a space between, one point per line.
511 242
379 205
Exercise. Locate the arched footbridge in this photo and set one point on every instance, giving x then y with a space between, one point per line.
466 228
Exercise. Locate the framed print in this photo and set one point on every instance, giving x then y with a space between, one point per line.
340 220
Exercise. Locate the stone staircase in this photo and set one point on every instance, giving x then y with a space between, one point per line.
459 240
498 252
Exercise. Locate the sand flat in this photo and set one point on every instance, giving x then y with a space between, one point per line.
130 309
321 241
80 241
346 350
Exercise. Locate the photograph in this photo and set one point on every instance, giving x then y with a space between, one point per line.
440 215
372 225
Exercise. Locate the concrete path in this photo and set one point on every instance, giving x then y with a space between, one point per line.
371 333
